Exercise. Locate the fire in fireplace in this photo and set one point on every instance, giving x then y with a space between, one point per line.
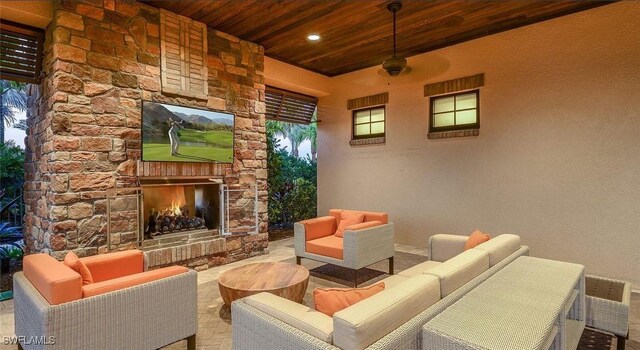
175 208
174 219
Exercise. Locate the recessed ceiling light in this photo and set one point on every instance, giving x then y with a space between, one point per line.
313 37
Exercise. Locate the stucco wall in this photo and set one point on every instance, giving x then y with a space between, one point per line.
557 159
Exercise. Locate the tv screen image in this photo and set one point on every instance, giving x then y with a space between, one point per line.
173 133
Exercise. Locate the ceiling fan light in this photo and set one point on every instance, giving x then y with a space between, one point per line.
394 65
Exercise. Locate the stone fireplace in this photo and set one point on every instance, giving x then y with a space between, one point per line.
87 190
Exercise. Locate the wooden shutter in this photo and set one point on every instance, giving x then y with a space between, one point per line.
183 44
288 106
20 52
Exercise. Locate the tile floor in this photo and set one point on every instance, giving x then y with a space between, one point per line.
214 324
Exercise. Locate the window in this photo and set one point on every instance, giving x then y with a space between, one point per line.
458 111
369 122
288 106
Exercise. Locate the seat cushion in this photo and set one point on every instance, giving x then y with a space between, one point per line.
107 286
500 247
56 282
460 269
330 246
418 269
363 323
331 300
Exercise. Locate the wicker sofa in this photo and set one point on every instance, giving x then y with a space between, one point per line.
124 308
391 319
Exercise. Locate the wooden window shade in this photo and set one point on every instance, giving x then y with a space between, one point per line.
454 85
368 101
183 45
288 106
20 52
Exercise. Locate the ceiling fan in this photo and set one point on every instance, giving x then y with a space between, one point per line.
395 65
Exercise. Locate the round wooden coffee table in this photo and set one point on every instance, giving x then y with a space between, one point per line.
282 279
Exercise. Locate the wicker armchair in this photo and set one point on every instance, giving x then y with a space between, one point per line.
361 245
129 308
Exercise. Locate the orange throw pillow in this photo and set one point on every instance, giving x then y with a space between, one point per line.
73 262
331 300
348 219
476 239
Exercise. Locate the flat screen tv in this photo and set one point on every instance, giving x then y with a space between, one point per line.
173 133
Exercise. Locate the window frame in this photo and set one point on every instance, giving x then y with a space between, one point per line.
475 125
369 136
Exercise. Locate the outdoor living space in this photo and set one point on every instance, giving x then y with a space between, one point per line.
214 320
298 174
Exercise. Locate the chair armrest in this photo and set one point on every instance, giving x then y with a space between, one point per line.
115 284
307 230
366 246
443 247
318 227
297 315
114 265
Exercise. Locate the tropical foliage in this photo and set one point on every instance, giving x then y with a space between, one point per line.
11 243
13 100
292 180
11 169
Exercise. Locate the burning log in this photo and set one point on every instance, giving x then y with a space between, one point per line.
173 219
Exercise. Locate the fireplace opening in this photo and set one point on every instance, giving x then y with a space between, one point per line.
180 208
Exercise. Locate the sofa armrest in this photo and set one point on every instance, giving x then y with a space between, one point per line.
55 281
253 328
297 315
307 230
114 265
443 247
366 246
123 282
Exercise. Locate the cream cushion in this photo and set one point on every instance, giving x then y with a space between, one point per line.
419 269
296 315
460 269
500 247
363 323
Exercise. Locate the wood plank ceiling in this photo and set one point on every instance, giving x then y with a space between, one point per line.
357 34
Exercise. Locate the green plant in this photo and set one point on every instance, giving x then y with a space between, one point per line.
11 251
9 234
302 200
11 169
291 183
